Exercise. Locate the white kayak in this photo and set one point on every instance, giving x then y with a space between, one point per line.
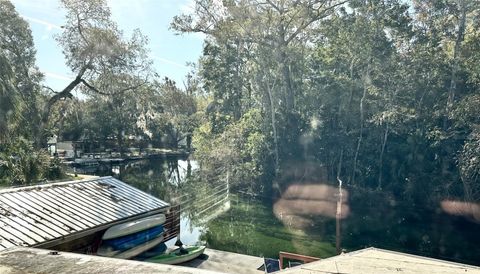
133 227
130 253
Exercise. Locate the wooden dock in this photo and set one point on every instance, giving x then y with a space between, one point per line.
96 159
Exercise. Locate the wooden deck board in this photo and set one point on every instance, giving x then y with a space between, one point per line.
227 262
373 260
21 260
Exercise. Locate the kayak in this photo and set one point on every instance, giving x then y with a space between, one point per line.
130 253
132 240
124 229
176 256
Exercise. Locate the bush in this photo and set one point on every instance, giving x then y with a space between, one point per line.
22 164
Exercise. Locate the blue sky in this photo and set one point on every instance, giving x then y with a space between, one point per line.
170 52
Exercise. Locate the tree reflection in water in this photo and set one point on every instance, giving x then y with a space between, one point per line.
301 217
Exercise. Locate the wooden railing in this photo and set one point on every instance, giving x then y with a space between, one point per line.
298 257
172 223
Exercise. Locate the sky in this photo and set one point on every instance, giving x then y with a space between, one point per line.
170 52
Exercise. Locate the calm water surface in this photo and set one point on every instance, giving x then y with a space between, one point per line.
243 222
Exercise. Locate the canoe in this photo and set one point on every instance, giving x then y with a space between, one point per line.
133 227
176 257
130 253
132 240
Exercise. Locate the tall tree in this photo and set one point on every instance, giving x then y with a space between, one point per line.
97 52
19 68
271 30
9 99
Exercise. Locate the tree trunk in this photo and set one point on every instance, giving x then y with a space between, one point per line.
286 75
350 98
189 168
189 142
360 137
120 142
384 143
237 108
455 66
274 126
339 166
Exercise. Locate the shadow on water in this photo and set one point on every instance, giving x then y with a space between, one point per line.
249 223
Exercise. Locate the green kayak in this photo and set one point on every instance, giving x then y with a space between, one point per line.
177 256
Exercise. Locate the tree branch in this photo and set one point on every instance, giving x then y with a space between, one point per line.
280 11
65 93
94 89
319 16
49 88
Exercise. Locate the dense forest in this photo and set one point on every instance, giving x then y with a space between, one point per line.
380 94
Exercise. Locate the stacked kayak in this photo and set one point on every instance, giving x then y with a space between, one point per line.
125 241
177 255
157 250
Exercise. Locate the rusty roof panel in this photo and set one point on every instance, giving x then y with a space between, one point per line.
30 216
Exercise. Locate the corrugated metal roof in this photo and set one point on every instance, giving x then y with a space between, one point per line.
30 216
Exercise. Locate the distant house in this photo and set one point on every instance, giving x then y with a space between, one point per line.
52 145
66 149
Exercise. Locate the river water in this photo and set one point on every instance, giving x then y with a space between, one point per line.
248 223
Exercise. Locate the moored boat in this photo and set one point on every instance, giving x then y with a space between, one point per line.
135 239
132 252
124 229
178 255
130 239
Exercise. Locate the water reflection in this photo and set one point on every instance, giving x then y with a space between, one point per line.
301 217
307 202
310 200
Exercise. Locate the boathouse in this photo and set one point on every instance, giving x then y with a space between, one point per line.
71 216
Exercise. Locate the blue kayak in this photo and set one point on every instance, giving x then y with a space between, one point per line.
133 240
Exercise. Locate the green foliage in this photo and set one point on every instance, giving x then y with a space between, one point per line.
469 164
384 92
9 99
19 84
21 159
178 117
221 70
22 164
239 152
153 115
